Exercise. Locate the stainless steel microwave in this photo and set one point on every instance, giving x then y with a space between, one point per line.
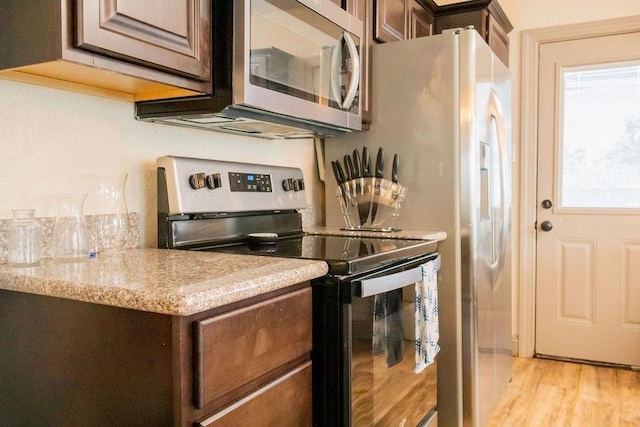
280 69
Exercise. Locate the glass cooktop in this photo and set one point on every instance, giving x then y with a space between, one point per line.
344 255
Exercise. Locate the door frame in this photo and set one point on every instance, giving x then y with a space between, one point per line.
531 42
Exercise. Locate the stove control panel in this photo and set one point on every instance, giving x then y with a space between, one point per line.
253 182
207 186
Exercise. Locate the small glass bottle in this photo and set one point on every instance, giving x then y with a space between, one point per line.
25 238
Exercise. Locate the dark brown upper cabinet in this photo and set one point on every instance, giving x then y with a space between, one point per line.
170 35
124 49
486 16
390 20
420 20
402 19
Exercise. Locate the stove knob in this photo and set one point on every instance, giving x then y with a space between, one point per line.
214 181
298 184
287 184
196 181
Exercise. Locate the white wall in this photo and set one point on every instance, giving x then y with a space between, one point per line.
51 140
526 15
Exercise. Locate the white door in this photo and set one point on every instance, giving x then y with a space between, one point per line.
588 196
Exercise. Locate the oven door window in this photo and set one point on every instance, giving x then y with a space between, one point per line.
297 51
385 389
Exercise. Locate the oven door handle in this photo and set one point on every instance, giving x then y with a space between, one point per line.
382 284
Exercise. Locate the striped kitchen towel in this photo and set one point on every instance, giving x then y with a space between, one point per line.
426 316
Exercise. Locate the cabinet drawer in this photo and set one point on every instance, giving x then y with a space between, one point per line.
285 402
237 351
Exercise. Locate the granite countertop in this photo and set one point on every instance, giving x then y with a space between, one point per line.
163 281
395 234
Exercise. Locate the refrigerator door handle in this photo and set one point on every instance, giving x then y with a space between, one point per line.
495 112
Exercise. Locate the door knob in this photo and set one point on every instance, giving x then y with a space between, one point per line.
546 226
546 204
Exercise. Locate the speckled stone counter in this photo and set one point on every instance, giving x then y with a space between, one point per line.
396 234
162 281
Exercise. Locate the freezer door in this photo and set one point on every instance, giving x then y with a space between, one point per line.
486 286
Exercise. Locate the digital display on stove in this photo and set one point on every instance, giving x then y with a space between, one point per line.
250 182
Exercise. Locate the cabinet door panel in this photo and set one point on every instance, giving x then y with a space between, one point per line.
391 20
498 40
286 402
172 35
237 350
421 22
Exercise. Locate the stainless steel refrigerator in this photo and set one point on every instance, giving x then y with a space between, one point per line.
442 103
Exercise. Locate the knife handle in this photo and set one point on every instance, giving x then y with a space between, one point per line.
379 163
366 163
357 164
336 173
340 171
348 167
394 169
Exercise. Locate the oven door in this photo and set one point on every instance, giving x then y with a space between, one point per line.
385 388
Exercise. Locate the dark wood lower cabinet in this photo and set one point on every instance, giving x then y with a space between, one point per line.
285 402
70 363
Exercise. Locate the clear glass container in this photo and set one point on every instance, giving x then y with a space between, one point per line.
111 224
71 238
24 239
370 204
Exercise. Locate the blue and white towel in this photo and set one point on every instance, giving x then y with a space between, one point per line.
427 332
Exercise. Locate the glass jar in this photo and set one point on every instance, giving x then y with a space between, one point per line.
24 239
111 224
71 239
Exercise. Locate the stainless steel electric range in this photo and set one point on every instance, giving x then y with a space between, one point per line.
363 353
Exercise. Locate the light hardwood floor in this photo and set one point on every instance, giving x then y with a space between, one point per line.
553 393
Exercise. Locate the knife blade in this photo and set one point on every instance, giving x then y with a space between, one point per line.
357 173
378 174
357 164
394 169
365 204
379 163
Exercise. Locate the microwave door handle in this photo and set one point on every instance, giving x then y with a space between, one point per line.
387 283
355 75
336 66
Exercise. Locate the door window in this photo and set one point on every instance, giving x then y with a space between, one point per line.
600 136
